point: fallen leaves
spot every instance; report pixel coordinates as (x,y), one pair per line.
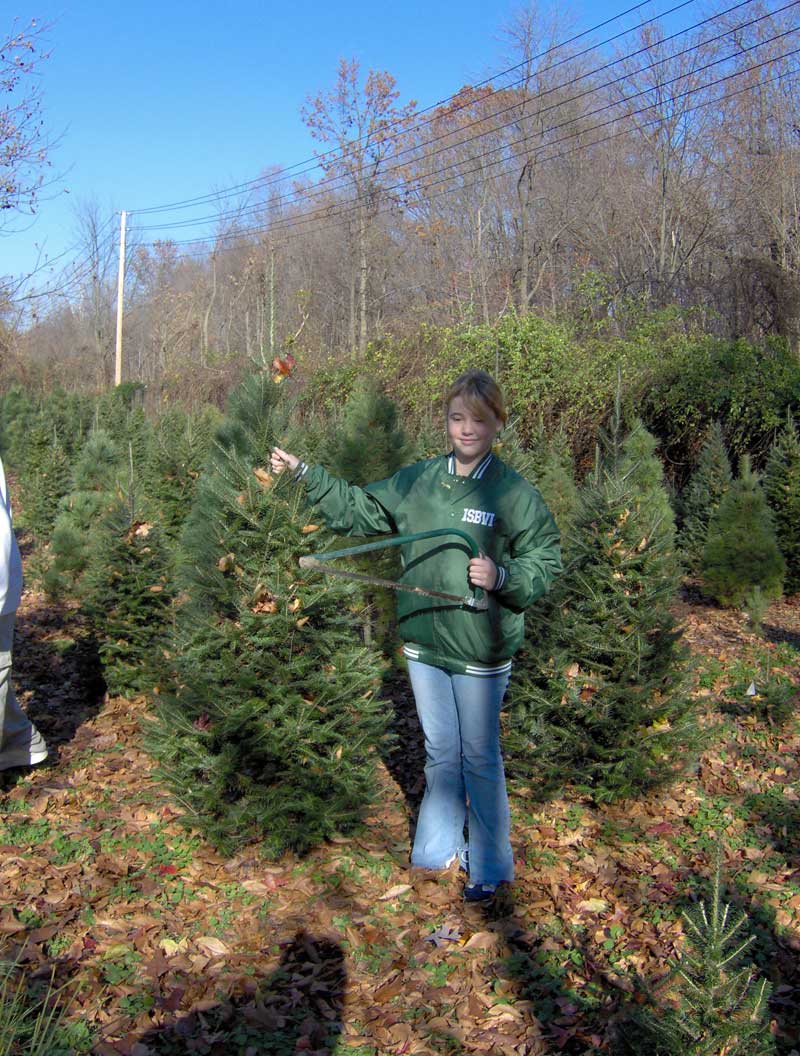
(100,878)
(214,947)
(395,892)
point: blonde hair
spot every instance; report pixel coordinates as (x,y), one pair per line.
(478,390)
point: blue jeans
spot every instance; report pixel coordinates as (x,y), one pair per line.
(464,777)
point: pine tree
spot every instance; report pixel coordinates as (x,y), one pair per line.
(176,449)
(529,455)
(645,472)
(127,592)
(722,1005)
(45,483)
(91,496)
(741,550)
(782,489)
(704,493)
(114,408)
(599,695)
(369,444)
(560,492)
(18,411)
(267,720)
(69,417)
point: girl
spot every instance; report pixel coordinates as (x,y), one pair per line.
(459,658)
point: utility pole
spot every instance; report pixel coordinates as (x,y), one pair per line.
(120,297)
(271,300)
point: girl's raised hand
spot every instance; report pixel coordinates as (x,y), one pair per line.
(280,460)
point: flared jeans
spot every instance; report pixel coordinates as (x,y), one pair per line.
(464,777)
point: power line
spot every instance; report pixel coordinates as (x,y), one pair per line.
(317,193)
(76,272)
(314,163)
(47,291)
(343,209)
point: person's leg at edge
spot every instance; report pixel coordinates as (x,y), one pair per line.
(479,701)
(21,744)
(440,826)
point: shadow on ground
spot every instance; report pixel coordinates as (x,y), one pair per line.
(404,757)
(56,671)
(297,1009)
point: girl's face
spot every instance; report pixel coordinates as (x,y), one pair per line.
(471,432)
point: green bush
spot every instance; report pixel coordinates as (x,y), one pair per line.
(745,387)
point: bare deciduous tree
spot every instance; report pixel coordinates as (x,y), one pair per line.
(24,145)
(365,127)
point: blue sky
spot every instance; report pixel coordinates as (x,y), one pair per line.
(157,102)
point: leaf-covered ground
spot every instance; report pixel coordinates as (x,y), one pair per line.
(170,948)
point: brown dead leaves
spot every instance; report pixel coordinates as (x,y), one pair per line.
(97,877)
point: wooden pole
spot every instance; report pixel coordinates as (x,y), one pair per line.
(120,298)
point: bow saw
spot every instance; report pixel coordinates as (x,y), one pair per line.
(476,600)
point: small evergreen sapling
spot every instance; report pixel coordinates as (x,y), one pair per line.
(741,550)
(91,496)
(266,717)
(368,443)
(703,494)
(176,450)
(17,413)
(718,1004)
(45,478)
(127,592)
(782,488)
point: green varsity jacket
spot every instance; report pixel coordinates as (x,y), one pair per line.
(496,506)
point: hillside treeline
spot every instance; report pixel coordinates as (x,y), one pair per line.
(591,188)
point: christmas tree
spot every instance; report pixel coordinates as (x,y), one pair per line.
(91,496)
(45,481)
(741,551)
(782,489)
(127,593)
(266,716)
(717,1004)
(369,444)
(702,496)
(173,460)
(16,414)
(643,468)
(599,695)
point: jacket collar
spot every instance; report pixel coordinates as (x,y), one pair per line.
(477,472)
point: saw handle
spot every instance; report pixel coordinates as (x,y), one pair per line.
(398,540)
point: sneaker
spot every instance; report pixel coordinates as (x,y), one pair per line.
(480,892)
(22,757)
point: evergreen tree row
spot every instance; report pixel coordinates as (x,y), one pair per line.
(183,551)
